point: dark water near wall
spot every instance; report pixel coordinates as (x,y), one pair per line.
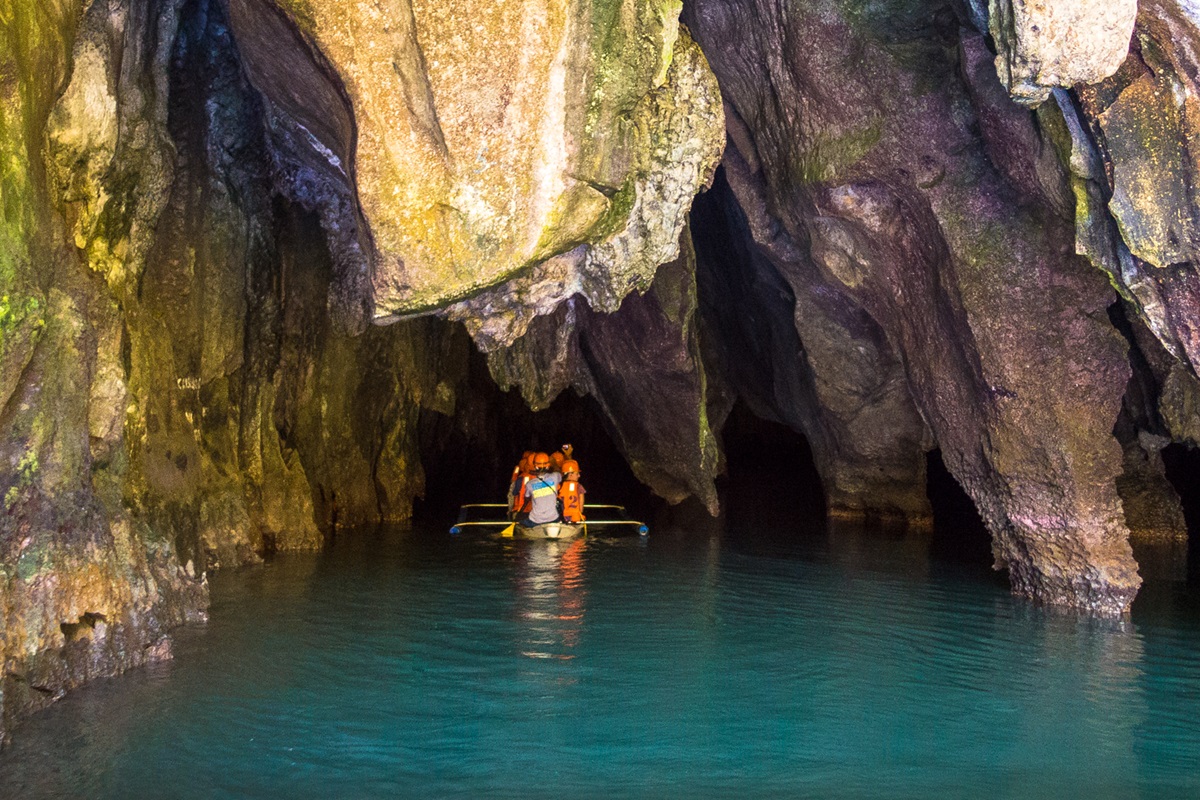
(414,665)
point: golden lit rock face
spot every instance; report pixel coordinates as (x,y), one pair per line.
(494,136)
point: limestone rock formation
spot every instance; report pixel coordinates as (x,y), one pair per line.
(483,143)
(798,353)
(1134,167)
(853,142)
(1044,44)
(176,393)
(644,366)
(207,202)
(87,588)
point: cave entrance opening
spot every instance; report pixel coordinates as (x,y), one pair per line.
(770,487)
(468,456)
(1183,471)
(959,533)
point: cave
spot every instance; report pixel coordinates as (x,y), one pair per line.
(1183,471)
(869,315)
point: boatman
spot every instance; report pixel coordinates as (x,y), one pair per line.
(541,494)
(571,493)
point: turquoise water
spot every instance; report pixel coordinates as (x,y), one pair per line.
(411,664)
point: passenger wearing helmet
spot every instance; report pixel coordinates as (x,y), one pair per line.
(541,494)
(521,466)
(570,493)
(522,474)
(559,457)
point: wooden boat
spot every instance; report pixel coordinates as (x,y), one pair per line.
(468,519)
(549,530)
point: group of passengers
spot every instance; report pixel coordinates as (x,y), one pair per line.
(545,488)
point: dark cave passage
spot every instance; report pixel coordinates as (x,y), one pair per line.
(771,487)
(468,456)
(1183,471)
(959,533)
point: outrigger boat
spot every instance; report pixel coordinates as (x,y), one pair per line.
(549,530)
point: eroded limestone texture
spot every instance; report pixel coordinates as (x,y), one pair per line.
(800,354)
(1045,44)
(857,146)
(87,588)
(644,367)
(557,144)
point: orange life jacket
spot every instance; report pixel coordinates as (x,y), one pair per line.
(518,498)
(571,494)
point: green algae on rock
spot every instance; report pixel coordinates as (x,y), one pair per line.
(675,142)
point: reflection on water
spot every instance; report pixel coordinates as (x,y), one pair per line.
(841,664)
(550,590)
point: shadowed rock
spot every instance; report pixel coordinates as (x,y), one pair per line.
(643,366)
(809,357)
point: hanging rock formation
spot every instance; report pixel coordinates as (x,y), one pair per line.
(554,145)
(644,366)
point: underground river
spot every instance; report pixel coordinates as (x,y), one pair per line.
(403,662)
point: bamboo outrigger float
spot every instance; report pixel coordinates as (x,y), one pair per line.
(548,530)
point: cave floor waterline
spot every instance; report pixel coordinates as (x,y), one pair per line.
(405,662)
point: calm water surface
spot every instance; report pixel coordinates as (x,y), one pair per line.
(411,664)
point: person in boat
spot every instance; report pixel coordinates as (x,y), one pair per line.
(522,475)
(560,457)
(541,494)
(570,493)
(522,466)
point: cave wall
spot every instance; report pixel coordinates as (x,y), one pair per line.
(88,586)
(194,245)
(929,261)
(878,159)
(179,393)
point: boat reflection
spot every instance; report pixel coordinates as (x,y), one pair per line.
(551,596)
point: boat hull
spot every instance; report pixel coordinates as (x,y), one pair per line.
(548,530)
